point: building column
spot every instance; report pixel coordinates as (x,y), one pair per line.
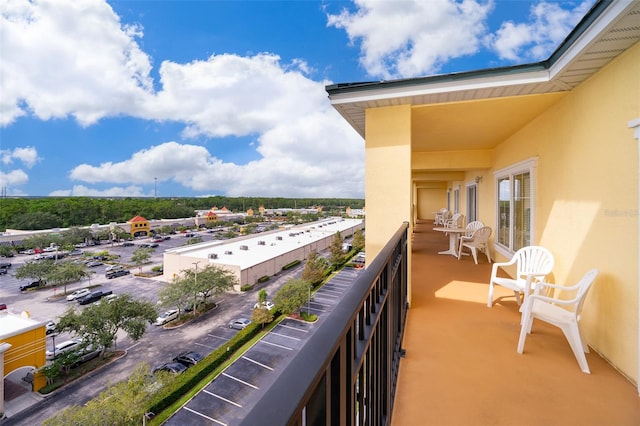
(635,125)
(388,191)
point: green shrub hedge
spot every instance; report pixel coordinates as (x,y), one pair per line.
(291,265)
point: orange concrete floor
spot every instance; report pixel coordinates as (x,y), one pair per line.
(461,365)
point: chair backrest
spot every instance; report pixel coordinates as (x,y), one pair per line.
(456,220)
(583,287)
(481,236)
(534,259)
(473,226)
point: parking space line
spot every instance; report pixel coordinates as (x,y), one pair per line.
(283,335)
(258,363)
(213,348)
(238,380)
(274,344)
(217,337)
(336,292)
(293,328)
(222,398)
(205,416)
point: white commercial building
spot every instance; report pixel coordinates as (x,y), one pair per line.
(253,257)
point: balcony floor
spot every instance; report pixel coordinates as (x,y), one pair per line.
(461,365)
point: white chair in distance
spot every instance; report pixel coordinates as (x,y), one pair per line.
(455,221)
(532,263)
(562,313)
(441,216)
(479,241)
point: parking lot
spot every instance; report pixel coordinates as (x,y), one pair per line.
(227,398)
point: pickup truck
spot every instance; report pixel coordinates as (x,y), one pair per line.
(94,296)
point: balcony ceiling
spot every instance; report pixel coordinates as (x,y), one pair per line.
(478,124)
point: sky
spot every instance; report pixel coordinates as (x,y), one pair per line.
(171,98)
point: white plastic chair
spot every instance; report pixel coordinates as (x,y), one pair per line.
(455,221)
(564,314)
(472,227)
(479,241)
(532,263)
(441,216)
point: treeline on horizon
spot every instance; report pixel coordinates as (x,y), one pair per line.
(64,212)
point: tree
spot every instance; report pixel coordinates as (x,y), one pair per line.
(358,240)
(336,256)
(191,285)
(123,403)
(35,269)
(261,315)
(64,273)
(292,295)
(6,251)
(262,296)
(98,324)
(315,268)
(141,256)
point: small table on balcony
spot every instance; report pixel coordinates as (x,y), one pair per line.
(453,239)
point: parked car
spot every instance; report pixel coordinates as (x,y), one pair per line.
(153,245)
(113,268)
(171,367)
(267,304)
(188,358)
(239,323)
(4,271)
(128,244)
(5,265)
(3,306)
(93,263)
(50,327)
(157,240)
(94,296)
(117,273)
(167,316)
(33,284)
(62,347)
(78,293)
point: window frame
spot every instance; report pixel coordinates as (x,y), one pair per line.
(472,207)
(526,166)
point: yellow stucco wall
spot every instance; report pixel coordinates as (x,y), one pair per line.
(587,199)
(27,349)
(388,174)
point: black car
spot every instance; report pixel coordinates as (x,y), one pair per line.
(117,273)
(128,244)
(33,284)
(5,265)
(94,296)
(171,367)
(3,271)
(188,358)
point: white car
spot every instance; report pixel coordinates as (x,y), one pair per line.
(167,316)
(113,268)
(78,294)
(268,305)
(62,347)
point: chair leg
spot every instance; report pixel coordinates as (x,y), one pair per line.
(572,334)
(475,254)
(486,251)
(490,300)
(525,329)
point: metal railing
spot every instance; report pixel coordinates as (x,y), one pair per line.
(346,374)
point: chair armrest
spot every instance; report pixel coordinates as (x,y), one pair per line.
(551,300)
(541,284)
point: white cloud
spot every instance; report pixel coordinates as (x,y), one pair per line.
(76,58)
(535,40)
(63,58)
(413,38)
(117,191)
(13,178)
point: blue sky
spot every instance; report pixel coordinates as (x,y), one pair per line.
(196,98)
